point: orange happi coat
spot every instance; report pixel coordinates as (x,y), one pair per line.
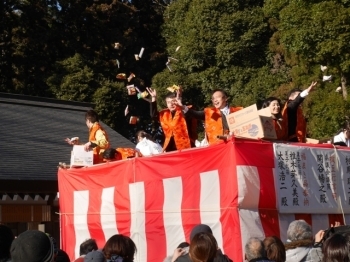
(213,123)
(174,126)
(125,153)
(98,151)
(300,130)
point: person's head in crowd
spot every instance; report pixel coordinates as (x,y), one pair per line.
(274,104)
(294,93)
(299,230)
(62,256)
(254,249)
(6,238)
(170,100)
(336,248)
(142,134)
(87,246)
(119,247)
(90,118)
(110,154)
(203,247)
(219,98)
(183,245)
(34,246)
(200,228)
(275,249)
(181,250)
(94,256)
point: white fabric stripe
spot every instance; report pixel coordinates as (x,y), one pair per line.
(209,204)
(108,218)
(250,225)
(248,187)
(81,229)
(174,232)
(138,220)
(284,221)
(319,222)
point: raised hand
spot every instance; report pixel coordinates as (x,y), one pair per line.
(152,92)
(311,87)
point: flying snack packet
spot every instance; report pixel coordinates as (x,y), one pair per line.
(173,88)
(121,76)
(142,95)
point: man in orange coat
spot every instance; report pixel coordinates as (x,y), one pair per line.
(292,114)
(173,122)
(98,138)
(214,117)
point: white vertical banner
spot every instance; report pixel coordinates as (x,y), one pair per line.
(306,179)
(172,213)
(344,169)
(108,214)
(138,220)
(209,205)
(81,206)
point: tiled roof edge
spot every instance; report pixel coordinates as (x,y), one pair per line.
(34,100)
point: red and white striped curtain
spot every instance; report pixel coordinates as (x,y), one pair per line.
(158,200)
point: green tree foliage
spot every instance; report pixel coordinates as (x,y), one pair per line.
(66,50)
(309,34)
(224,44)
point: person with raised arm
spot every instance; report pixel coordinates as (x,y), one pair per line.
(172,121)
(215,122)
(292,114)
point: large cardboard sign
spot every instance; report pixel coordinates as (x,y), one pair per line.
(249,123)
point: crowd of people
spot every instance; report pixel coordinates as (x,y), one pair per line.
(179,125)
(301,246)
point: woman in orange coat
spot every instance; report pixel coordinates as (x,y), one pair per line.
(275,107)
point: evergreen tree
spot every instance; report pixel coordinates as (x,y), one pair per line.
(310,34)
(224,44)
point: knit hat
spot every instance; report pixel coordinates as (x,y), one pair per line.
(32,246)
(94,256)
(201,228)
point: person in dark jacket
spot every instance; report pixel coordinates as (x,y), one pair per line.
(202,228)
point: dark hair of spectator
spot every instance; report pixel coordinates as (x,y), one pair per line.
(336,248)
(223,92)
(92,116)
(275,249)
(170,95)
(87,246)
(293,91)
(268,101)
(203,248)
(119,245)
(6,238)
(62,256)
(143,134)
(183,244)
(109,154)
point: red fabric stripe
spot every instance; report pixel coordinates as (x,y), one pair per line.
(67,237)
(306,217)
(190,203)
(94,218)
(122,207)
(229,205)
(332,218)
(155,233)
